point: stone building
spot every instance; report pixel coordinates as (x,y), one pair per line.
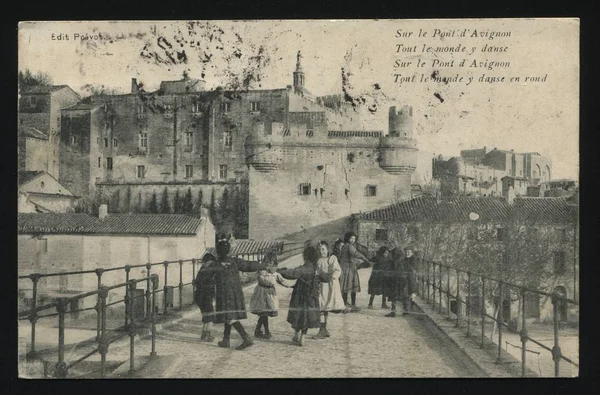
(183,137)
(40,192)
(308,177)
(40,126)
(65,242)
(480,172)
(532,238)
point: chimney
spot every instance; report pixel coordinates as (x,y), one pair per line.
(134,86)
(510,196)
(102,211)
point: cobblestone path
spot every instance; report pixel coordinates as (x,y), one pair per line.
(362,344)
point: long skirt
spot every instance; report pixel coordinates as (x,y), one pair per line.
(304,311)
(264,301)
(349,281)
(331,297)
(205,303)
(376,282)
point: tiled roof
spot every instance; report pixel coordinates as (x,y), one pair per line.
(490,209)
(247,246)
(26,176)
(82,106)
(44,88)
(162,224)
(30,131)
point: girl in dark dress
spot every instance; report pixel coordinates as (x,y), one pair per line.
(351,261)
(376,281)
(230,304)
(304,311)
(396,282)
(204,294)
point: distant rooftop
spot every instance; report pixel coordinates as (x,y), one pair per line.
(76,223)
(44,88)
(490,209)
(31,132)
(248,246)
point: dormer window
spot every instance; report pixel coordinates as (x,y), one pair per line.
(32,101)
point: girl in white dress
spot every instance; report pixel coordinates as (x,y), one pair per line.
(331,295)
(264,302)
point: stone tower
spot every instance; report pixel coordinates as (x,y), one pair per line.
(299,79)
(398,150)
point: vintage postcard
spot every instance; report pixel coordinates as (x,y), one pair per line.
(357,198)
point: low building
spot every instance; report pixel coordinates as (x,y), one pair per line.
(55,242)
(42,193)
(529,241)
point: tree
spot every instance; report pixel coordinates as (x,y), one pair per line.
(153,206)
(28,79)
(90,90)
(198,205)
(188,203)
(128,200)
(164,205)
(214,212)
(177,203)
(224,208)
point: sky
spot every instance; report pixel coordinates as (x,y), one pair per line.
(355,57)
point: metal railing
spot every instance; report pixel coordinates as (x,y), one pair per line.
(434,282)
(103,341)
(151,307)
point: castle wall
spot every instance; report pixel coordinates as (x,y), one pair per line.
(340,175)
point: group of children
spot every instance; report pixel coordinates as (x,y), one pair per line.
(322,285)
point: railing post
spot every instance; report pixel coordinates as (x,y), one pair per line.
(193,269)
(500,322)
(448,292)
(99,275)
(33,316)
(103,344)
(556,353)
(148,294)
(180,284)
(433,284)
(428,281)
(440,288)
(166,264)
(127,295)
(154,288)
(61,366)
(132,329)
(468,304)
(523,334)
(482,308)
(457,297)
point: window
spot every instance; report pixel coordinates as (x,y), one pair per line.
(195,107)
(561,235)
(309,132)
(371,190)
(254,106)
(381,234)
(559,262)
(189,171)
(304,189)
(106,142)
(106,125)
(109,163)
(99,161)
(413,232)
(32,101)
(143,140)
(225,107)
(223,172)
(228,140)
(43,245)
(141,109)
(141,171)
(73,140)
(42,184)
(114,142)
(98,140)
(189,138)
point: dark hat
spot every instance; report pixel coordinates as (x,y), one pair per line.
(409,248)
